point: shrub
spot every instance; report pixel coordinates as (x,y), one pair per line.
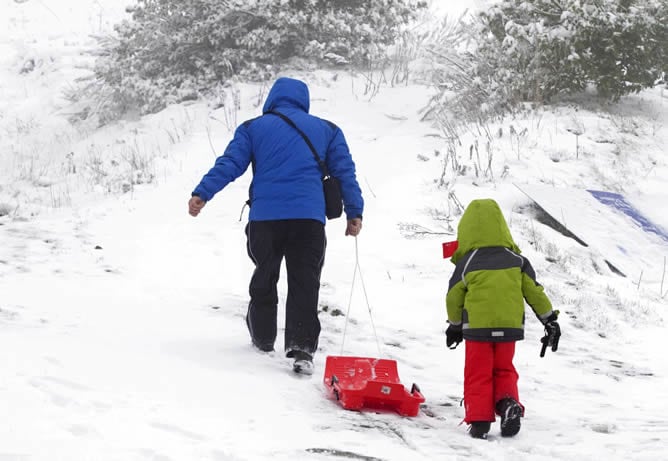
(171,51)
(534,50)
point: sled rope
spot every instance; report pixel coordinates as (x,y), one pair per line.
(366,298)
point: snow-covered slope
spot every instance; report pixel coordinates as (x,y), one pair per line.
(121,317)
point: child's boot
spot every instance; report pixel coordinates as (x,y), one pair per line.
(479,429)
(511,412)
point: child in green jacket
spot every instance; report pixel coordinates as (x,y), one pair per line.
(485,304)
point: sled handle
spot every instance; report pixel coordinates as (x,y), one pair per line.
(415,389)
(334,382)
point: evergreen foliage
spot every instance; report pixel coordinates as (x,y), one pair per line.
(534,50)
(171,51)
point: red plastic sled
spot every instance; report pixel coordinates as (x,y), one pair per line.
(363,382)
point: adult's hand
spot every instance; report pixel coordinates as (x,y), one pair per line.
(354,227)
(195,205)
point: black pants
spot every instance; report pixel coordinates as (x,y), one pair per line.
(302,243)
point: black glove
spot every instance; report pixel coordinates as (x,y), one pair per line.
(552,334)
(454,336)
(552,318)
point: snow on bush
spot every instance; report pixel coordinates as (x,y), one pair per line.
(172,51)
(531,51)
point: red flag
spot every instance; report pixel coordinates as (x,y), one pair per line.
(449,248)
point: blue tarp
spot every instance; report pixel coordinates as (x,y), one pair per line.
(618,202)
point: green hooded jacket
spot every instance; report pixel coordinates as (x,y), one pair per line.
(491,280)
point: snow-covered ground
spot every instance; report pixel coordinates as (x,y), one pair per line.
(121,317)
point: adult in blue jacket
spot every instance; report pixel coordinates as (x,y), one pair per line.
(287,212)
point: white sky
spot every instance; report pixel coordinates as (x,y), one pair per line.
(121,317)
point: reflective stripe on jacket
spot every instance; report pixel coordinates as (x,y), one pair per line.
(491,280)
(487,293)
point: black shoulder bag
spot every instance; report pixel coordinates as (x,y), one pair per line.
(330,185)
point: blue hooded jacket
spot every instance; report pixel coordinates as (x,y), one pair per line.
(287,180)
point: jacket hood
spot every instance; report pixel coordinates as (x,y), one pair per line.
(482,225)
(287,92)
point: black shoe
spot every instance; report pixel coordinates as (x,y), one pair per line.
(479,429)
(510,412)
(259,345)
(303,362)
(263,347)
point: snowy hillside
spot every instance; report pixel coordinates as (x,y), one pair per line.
(121,317)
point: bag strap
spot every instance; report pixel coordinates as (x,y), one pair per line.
(321,164)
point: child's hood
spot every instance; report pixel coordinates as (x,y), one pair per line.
(482,225)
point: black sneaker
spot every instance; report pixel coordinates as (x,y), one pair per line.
(510,412)
(259,345)
(479,429)
(263,347)
(303,362)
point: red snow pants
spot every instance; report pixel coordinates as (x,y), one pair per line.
(489,376)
